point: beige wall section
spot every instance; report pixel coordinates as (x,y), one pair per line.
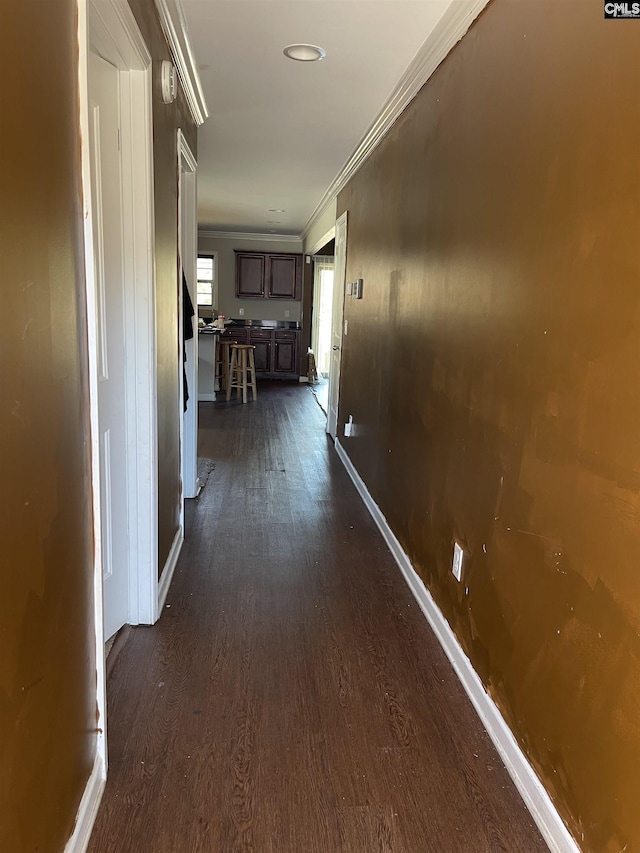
(47,634)
(492,373)
(320,227)
(167,118)
(254,309)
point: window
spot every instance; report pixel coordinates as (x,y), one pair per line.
(207,285)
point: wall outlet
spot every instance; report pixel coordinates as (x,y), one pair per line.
(241,312)
(348,427)
(458,556)
(357,288)
(286,313)
(349,288)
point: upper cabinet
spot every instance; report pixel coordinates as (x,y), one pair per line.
(268,275)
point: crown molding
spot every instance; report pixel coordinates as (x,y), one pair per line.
(174,26)
(246,235)
(451,27)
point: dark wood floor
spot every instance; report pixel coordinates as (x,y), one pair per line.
(292,698)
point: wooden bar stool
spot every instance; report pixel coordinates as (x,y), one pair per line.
(242,371)
(223,359)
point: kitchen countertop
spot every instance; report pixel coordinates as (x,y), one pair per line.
(263,324)
(251,324)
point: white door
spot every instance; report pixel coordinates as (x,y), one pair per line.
(106,187)
(340,270)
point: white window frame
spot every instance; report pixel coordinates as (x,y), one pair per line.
(214,283)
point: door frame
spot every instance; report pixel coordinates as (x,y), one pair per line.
(110,28)
(337,325)
(315,305)
(188,253)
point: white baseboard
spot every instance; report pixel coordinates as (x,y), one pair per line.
(207,398)
(524,776)
(169,568)
(88,809)
(303,379)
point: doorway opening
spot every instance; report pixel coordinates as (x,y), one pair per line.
(321,328)
(187,291)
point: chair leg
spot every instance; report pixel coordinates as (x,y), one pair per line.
(232,371)
(252,374)
(224,357)
(244,375)
(216,363)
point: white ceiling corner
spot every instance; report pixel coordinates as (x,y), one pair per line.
(174,26)
(290,135)
(451,27)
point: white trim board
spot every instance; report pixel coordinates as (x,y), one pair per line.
(88,809)
(174,26)
(451,27)
(531,789)
(246,235)
(169,568)
(330,235)
(92,358)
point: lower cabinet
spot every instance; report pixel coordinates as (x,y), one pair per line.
(275,353)
(261,339)
(285,352)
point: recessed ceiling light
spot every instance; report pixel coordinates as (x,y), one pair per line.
(304,52)
(276,210)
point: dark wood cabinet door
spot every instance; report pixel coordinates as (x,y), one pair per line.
(284,276)
(285,358)
(262,352)
(250,274)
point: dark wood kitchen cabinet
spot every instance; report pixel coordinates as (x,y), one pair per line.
(268,275)
(250,274)
(262,340)
(285,352)
(275,353)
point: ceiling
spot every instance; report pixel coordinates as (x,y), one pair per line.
(280,131)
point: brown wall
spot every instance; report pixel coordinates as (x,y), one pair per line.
(167,118)
(47,644)
(492,372)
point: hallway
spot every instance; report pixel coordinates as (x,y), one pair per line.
(292,698)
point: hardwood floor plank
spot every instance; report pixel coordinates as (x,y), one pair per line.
(292,698)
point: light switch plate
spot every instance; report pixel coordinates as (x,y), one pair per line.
(458,556)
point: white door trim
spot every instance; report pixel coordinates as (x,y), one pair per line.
(187,248)
(110,27)
(337,323)
(95,784)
